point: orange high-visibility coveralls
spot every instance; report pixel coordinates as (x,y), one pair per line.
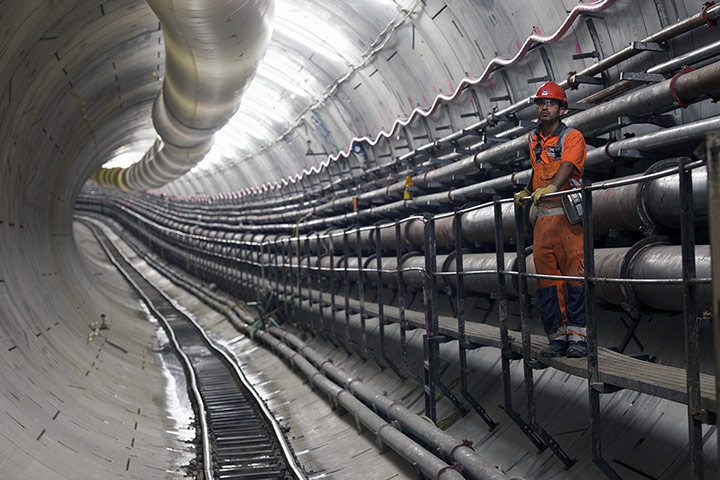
(558,245)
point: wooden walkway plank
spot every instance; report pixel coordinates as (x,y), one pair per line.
(615,368)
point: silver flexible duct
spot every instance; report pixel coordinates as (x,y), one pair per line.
(212,51)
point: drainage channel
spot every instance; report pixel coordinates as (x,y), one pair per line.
(240,439)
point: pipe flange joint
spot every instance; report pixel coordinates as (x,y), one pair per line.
(626,270)
(458,468)
(465,443)
(679,101)
(710,23)
(395,403)
(349,385)
(649,227)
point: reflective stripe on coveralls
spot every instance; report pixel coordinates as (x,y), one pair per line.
(558,245)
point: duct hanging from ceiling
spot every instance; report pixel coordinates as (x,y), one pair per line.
(212,51)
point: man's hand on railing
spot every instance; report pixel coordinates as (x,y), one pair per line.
(517,198)
(543,191)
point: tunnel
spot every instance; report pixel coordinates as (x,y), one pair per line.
(324,191)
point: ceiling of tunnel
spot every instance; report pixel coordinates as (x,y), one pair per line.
(81,77)
(313,45)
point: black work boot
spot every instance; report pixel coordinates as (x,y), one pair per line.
(557,348)
(577,350)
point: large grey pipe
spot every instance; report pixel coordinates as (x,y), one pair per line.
(650,258)
(212,51)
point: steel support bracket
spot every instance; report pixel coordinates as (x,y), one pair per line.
(580,56)
(435,162)
(510,355)
(539,79)
(528,124)
(635,154)
(705,416)
(588,80)
(441,338)
(579,106)
(665,121)
(503,118)
(601,387)
(492,139)
(470,345)
(537,365)
(642,77)
(648,46)
(500,99)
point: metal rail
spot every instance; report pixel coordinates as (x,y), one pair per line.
(234,420)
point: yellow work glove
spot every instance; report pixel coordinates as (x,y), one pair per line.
(543,191)
(517,198)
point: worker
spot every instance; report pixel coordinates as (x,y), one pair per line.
(557,155)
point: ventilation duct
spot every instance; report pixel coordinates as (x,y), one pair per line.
(212,51)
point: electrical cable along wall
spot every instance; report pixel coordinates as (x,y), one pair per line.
(360,263)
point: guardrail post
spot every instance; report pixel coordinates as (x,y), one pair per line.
(285,272)
(333,307)
(300,316)
(381,304)
(361,290)
(312,320)
(401,301)
(692,356)
(528,362)
(506,354)
(321,303)
(712,156)
(349,343)
(430,297)
(463,344)
(594,384)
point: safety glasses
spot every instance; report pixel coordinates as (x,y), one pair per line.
(549,102)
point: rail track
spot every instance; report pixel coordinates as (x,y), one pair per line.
(239,437)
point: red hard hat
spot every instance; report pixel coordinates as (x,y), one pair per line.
(552,90)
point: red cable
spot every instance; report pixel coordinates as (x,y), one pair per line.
(425,176)
(572,85)
(710,23)
(607,151)
(455,467)
(465,443)
(480,168)
(680,102)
